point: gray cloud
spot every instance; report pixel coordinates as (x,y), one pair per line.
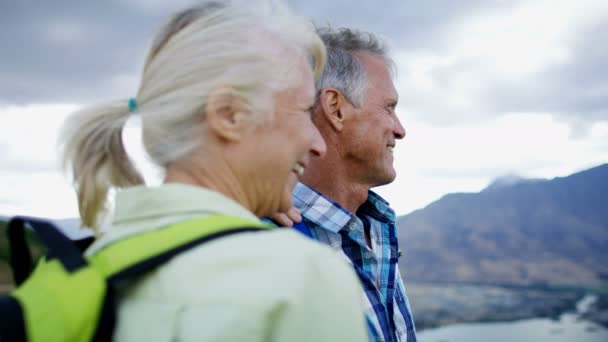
(574,91)
(499,169)
(11,161)
(70,51)
(75,51)
(406,23)
(81,51)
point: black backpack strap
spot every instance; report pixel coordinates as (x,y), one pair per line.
(84,243)
(107,318)
(20,257)
(59,246)
(12,325)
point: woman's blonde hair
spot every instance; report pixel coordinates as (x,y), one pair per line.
(253,48)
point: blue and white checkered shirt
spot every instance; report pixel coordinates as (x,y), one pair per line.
(387,307)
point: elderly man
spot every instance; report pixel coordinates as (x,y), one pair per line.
(355,113)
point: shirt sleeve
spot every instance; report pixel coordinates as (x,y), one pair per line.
(327,306)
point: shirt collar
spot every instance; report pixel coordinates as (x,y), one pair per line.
(330,215)
(378,208)
(319,209)
(143,203)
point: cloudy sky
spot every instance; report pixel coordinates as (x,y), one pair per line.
(488,88)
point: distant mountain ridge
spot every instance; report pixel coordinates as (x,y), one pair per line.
(518,231)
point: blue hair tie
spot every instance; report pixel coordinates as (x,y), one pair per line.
(132,104)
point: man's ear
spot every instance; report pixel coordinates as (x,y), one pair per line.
(225,116)
(332,104)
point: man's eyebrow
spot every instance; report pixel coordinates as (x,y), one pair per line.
(392,104)
(310,108)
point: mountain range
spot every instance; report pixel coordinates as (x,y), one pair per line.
(517,231)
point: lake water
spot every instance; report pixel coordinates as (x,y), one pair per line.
(567,329)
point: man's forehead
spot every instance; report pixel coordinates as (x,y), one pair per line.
(370,59)
(379,77)
(375,65)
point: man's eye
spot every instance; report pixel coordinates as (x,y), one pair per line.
(310,110)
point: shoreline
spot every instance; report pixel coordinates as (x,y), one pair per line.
(439,305)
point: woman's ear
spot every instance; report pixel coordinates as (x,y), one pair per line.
(225,114)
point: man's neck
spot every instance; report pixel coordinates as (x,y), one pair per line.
(334,185)
(349,195)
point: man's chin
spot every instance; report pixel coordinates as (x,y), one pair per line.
(387,178)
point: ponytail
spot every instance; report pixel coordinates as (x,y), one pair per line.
(93,150)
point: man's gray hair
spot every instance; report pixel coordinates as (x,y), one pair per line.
(343,70)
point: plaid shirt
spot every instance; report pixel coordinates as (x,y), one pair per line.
(387,307)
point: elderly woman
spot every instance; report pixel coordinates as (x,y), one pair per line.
(224,100)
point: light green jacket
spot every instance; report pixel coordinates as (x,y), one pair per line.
(261,286)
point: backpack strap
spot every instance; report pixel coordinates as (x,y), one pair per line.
(59,246)
(130,255)
(20,258)
(12,325)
